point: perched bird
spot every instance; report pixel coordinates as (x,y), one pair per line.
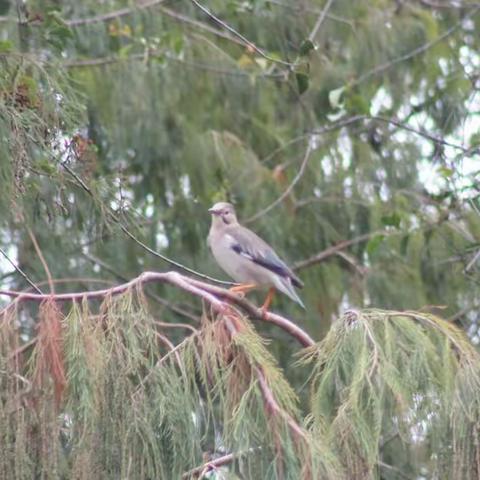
(247,258)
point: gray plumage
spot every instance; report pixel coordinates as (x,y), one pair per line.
(245,256)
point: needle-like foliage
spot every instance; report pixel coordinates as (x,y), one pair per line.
(102,393)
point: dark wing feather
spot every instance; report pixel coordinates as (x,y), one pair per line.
(251,246)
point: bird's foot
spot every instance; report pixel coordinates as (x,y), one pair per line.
(268,301)
(242,289)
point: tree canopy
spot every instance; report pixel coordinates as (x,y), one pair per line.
(346,134)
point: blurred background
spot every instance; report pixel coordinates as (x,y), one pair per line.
(323,122)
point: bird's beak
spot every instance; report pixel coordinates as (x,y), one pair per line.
(213,211)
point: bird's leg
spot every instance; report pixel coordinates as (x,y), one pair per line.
(268,301)
(243,288)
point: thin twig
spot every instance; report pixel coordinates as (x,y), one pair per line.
(245,40)
(217,462)
(112,15)
(202,26)
(170,346)
(320,20)
(422,133)
(472,262)
(100,61)
(184,326)
(421,49)
(127,232)
(42,259)
(20,271)
(288,190)
(301,8)
(334,249)
(397,123)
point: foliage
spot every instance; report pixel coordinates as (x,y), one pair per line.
(346,133)
(134,406)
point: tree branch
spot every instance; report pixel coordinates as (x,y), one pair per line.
(270,402)
(129,234)
(421,49)
(20,271)
(334,249)
(219,298)
(320,19)
(156,298)
(245,40)
(42,260)
(287,191)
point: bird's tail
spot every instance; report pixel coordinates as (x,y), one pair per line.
(286,287)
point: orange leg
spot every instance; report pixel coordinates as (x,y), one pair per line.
(243,288)
(268,301)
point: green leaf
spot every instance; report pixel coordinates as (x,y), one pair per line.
(374,243)
(475,139)
(445,172)
(6,46)
(404,244)
(57,31)
(356,104)
(302,82)
(305,47)
(46,166)
(392,220)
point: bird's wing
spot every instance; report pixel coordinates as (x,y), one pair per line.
(249,245)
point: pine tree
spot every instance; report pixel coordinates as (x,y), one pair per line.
(347,135)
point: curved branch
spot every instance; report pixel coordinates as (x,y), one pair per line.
(219,298)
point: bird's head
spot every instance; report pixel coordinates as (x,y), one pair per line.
(223,213)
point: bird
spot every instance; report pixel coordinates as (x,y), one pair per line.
(248,259)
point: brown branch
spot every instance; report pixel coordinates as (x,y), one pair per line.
(334,249)
(170,346)
(212,464)
(153,296)
(257,313)
(275,408)
(42,259)
(270,402)
(184,326)
(219,298)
